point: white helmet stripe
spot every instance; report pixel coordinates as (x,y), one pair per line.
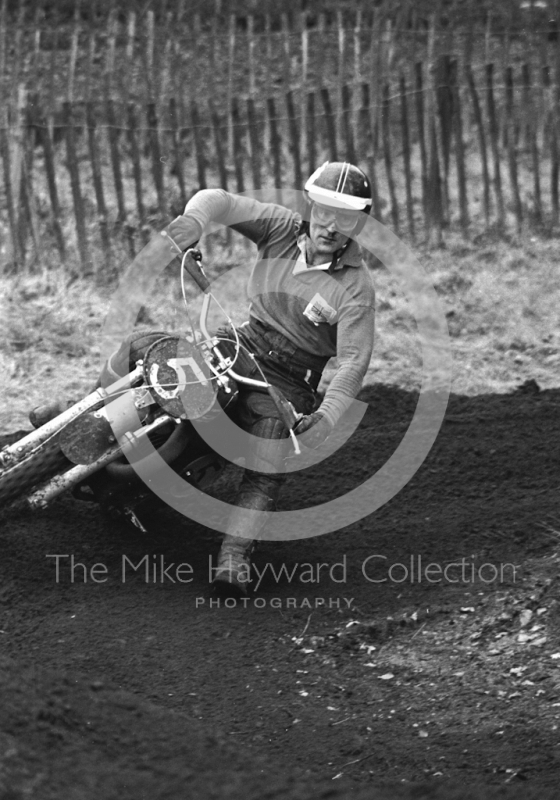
(342,177)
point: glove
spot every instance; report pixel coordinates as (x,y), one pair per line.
(184,232)
(316,428)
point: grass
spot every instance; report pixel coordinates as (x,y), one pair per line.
(501,301)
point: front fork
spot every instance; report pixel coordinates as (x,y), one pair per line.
(61,483)
(10,455)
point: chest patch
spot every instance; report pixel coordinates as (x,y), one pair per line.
(318,310)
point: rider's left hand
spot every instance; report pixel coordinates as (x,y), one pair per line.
(184,232)
(313,429)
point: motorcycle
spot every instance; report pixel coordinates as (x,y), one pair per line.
(90,448)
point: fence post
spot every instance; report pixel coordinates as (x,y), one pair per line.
(406,155)
(340,73)
(113,135)
(494,143)
(74,51)
(329,124)
(511,131)
(50,170)
(419,97)
(3,42)
(15,130)
(304,33)
(364,121)
(8,189)
(294,139)
(97,176)
(286,50)
(358,72)
(218,146)
(532,113)
(72,163)
(254,143)
(435,189)
(385,121)
(347,122)
(136,163)
(155,151)
(311,133)
(28,195)
(251,53)
(229,90)
(442,79)
(177,149)
(555,119)
(481,141)
(460,153)
(237,145)
(275,146)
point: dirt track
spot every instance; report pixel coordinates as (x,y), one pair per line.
(137,689)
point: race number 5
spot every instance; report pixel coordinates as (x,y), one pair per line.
(188,361)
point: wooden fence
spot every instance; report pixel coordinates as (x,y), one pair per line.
(105,135)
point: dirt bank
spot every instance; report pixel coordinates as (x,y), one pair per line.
(362,679)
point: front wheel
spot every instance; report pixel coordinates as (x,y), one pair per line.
(43,463)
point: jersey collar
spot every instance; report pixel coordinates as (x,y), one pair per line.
(350,257)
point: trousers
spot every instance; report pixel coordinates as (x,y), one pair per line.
(256,413)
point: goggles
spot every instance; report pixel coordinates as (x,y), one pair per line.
(345,221)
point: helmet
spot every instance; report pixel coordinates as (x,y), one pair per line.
(340,185)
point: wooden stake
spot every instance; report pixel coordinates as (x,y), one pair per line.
(406,154)
(229,98)
(460,156)
(50,170)
(177,149)
(74,51)
(386,124)
(481,141)
(420,123)
(275,147)
(238,157)
(136,162)
(494,143)
(155,152)
(330,125)
(218,146)
(294,140)
(311,133)
(97,176)
(255,144)
(73,169)
(347,123)
(113,135)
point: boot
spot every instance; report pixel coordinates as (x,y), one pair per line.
(257,492)
(43,414)
(233,573)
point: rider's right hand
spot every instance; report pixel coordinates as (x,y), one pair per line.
(184,231)
(317,425)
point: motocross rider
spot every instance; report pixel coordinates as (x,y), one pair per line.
(311,298)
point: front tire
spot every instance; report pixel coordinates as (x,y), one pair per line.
(40,465)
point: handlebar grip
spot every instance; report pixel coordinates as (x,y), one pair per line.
(193,267)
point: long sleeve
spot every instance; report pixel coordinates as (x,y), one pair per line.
(354,348)
(245,214)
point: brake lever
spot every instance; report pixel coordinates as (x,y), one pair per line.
(290,417)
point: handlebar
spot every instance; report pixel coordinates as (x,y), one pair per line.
(192,263)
